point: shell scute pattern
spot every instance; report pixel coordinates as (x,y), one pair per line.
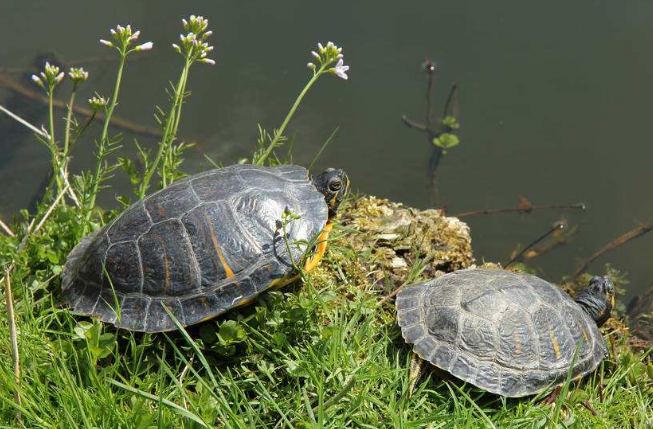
(191,249)
(166,261)
(478,337)
(516,348)
(171,204)
(512,334)
(133,222)
(442,323)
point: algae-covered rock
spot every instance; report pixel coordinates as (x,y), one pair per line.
(384,243)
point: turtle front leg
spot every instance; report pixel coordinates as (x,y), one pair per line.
(417,367)
(322,242)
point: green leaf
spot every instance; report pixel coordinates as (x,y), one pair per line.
(231,333)
(446,141)
(451,122)
(82,328)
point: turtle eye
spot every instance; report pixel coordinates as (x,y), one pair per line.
(335,185)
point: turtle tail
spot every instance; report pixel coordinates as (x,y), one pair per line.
(74,260)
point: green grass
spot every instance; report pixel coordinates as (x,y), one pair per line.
(324,354)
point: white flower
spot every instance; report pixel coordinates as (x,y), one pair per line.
(78,74)
(340,70)
(106,43)
(311,66)
(208,61)
(135,35)
(98,102)
(59,77)
(315,55)
(37,80)
(144,47)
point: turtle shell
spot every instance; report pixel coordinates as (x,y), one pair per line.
(509,333)
(203,245)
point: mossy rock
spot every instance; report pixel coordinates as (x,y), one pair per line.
(382,242)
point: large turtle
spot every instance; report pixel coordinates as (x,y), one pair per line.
(204,245)
(512,334)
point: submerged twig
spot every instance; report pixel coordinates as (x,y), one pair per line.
(72,63)
(64,173)
(560,225)
(619,241)
(9,299)
(559,237)
(433,132)
(115,121)
(521,209)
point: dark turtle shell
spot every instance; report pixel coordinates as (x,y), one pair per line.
(509,333)
(201,246)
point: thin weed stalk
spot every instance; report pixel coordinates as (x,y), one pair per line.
(13,337)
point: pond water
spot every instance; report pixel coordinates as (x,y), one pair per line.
(554,104)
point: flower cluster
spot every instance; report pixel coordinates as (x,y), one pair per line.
(78,74)
(98,102)
(123,37)
(193,45)
(49,78)
(327,55)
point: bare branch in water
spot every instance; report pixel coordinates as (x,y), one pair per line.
(524,206)
(558,238)
(413,124)
(557,226)
(75,63)
(115,121)
(449,108)
(433,131)
(619,241)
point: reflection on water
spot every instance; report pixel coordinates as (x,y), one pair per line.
(554,105)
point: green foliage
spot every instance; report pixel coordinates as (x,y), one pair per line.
(450,123)
(446,141)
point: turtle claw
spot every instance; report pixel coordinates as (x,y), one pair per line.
(417,366)
(553,396)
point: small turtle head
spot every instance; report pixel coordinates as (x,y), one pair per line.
(333,183)
(598,299)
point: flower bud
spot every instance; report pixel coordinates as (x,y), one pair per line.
(144,47)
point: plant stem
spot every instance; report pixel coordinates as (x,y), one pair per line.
(290,114)
(54,149)
(69,117)
(104,140)
(167,133)
(9,300)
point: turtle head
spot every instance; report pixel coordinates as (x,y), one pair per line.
(598,299)
(333,183)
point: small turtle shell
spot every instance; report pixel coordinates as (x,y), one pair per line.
(205,244)
(512,334)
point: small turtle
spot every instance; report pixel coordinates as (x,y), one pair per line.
(203,245)
(512,334)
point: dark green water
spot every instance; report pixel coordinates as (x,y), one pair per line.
(555,103)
